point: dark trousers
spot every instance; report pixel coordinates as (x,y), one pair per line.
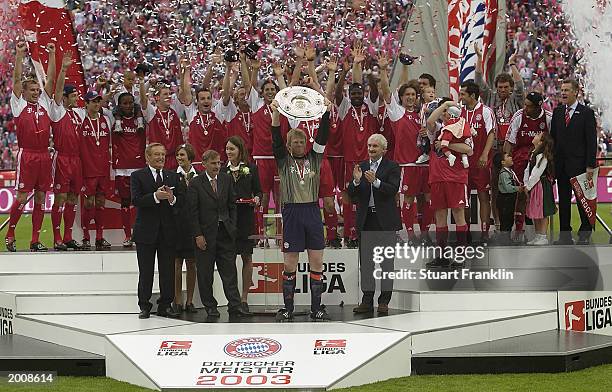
(565,208)
(219,250)
(146,267)
(371,236)
(505,208)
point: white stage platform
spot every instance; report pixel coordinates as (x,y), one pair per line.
(87,301)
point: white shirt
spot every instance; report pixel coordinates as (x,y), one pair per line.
(572,108)
(154,172)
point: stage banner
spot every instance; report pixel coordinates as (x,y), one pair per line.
(271,361)
(586,193)
(340,278)
(7,313)
(586,311)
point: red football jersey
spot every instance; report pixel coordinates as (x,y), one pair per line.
(32,122)
(441,171)
(482,122)
(239,123)
(129,145)
(261,115)
(522,131)
(406,127)
(65,125)
(165,127)
(95,145)
(357,125)
(206,130)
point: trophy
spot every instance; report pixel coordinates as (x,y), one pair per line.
(300,103)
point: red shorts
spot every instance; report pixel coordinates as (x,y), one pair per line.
(326,186)
(122,187)
(337,169)
(267,172)
(415,180)
(67,174)
(33,171)
(448,195)
(479,179)
(349,166)
(97,186)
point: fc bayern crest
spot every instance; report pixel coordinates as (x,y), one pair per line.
(252,348)
(478,117)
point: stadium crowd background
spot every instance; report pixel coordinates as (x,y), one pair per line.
(113,36)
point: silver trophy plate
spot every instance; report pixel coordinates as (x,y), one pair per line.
(301,103)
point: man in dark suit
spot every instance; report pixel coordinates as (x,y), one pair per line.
(573,130)
(156,193)
(374,188)
(212,203)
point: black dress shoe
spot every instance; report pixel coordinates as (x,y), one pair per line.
(245,308)
(564,241)
(144,314)
(167,312)
(239,312)
(363,308)
(213,312)
(72,244)
(86,245)
(189,308)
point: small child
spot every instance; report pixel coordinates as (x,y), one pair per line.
(508,187)
(456,130)
(429,105)
(538,180)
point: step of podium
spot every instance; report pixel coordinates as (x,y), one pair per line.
(73,302)
(437,301)
(72,281)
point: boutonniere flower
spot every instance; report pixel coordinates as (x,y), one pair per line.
(245,170)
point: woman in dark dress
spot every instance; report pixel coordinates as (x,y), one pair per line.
(248,195)
(185,154)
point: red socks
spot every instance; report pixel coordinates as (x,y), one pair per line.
(56,221)
(126,220)
(15,214)
(69,214)
(99,219)
(408,216)
(85,219)
(38,214)
(331,223)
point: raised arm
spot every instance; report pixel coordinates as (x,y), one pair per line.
(216,58)
(383,65)
(279,74)
(20,52)
(330,86)
(255,65)
(485,90)
(246,73)
(185,95)
(49,83)
(340,85)
(436,114)
(358,58)
(61,77)
(404,75)
(226,94)
(144,95)
(311,54)
(299,62)
(519,87)
(278,146)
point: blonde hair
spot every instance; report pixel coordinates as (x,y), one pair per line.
(295,132)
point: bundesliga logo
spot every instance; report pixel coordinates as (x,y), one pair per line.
(330,347)
(252,348)
(174,348)
(588,315)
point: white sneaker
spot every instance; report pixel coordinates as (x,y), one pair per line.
(464,161)
(422,159)
(451,159)
(540,239)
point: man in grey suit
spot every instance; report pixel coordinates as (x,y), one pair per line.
(213,225)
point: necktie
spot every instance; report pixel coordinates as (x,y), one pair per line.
(567,115)
(158,180)
(213,184)
(374,165)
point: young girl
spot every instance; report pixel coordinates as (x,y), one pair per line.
(538,180)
